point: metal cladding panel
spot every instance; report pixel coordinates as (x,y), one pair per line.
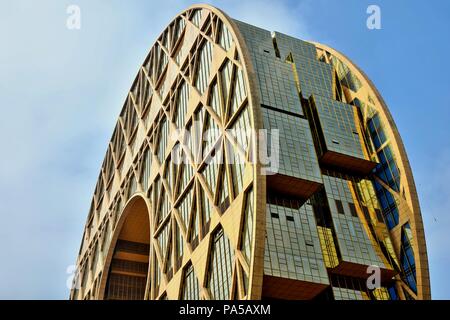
(353,241)
(297,156)
(338,122)
(277,86)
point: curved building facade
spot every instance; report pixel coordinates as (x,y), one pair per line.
(247,164)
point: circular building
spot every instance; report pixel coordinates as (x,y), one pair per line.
(247,164)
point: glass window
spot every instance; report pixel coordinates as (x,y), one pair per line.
(190,285)
(204,65)
(407,258)
(220,268)
(247,229)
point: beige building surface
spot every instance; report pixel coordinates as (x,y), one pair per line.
(248,164)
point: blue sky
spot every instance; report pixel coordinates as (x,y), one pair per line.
(61,92)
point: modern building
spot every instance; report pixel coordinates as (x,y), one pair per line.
(248,164)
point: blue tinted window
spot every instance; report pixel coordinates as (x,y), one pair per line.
(387,169)
(388,205)
(376,142)
(393,293)
(407,258)
(376,131)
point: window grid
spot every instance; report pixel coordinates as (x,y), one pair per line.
(203,70)
(220,267)
(191,288)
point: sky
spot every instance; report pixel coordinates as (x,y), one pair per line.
(61,92)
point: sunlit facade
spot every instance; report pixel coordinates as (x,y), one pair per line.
(185,207)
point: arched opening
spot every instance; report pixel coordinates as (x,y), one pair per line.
(128,270)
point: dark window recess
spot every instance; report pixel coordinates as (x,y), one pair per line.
(289,218)
(379,215)
(170,273)
(206,228)
(353,209)
(275,47)
(309,243)
(178,262)
(132,247)
(338,88)
(194,243)
(339,207)
(224,205)
(366,213)
(274,215)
